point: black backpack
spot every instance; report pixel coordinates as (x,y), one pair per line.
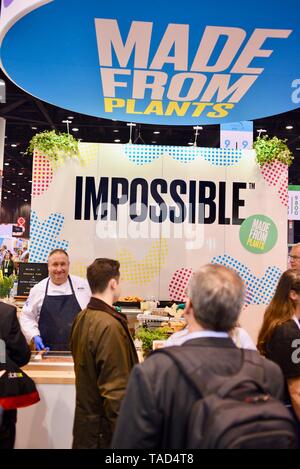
(235,411)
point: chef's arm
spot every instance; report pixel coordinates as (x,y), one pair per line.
(29,316)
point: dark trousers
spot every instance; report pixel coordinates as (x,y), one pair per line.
(8,430)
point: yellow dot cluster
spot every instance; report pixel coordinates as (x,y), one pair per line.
(142,273)
(88,153)
(78,268)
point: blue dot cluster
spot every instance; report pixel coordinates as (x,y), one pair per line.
(145,154)
(259,290)
(221,156)
(44,236)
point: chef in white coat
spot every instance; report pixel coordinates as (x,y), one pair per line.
(53,303)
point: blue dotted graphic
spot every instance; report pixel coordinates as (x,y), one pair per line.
(259,290)
(145,154)
(44,236)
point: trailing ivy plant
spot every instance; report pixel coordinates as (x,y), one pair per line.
(272,149)
(56,146)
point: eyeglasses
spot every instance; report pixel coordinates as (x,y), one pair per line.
(295,258)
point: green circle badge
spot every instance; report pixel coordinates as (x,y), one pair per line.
(258,234)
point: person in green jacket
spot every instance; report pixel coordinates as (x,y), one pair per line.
(104,354)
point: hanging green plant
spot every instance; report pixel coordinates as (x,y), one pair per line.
(56,146)
(273,149)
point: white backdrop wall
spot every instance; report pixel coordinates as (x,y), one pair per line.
(218,189)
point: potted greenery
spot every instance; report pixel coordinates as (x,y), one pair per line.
(54,145)
(146,336)
(273,149)
(6,284)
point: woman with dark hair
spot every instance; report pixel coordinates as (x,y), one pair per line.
(279,336)
(7,265)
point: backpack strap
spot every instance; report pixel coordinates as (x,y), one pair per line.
(251,371)
(199,377)
(207,382)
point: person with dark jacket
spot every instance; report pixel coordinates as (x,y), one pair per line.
(279,336)
(7,265)
(19,352)
(104,355)
(159,400)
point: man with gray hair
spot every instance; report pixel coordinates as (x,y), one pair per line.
(294,257)
(159,400)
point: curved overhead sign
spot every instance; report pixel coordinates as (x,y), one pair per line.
(177,64)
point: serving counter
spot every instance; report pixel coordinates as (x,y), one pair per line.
(48,424)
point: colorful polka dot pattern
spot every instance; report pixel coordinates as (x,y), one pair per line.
(44,236)
(145,154)
(276,174)
(42,174)
(142,273)
(88,153)
(78,268)
(283,191)
(178,284)
(259,290)
(221,156)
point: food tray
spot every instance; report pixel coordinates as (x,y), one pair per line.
(155,321)
(128,304)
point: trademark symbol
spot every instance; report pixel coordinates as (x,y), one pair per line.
(251,185)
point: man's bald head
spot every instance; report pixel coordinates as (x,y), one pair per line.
(58,266)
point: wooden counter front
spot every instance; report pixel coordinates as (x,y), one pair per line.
(51,370)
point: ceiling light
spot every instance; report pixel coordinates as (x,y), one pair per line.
(8,192)
(23,190)
(6,164)
(198,127)
(34,128)
(70,117)
(190,143)
(156,132)
(75,129)
(30,181)
(14,145)
(5,197)
(20,174)
(297,148)
(25,200)
(261,130)
(117,140)
(153,141)
(115,130)
(13,183)
(289,127)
